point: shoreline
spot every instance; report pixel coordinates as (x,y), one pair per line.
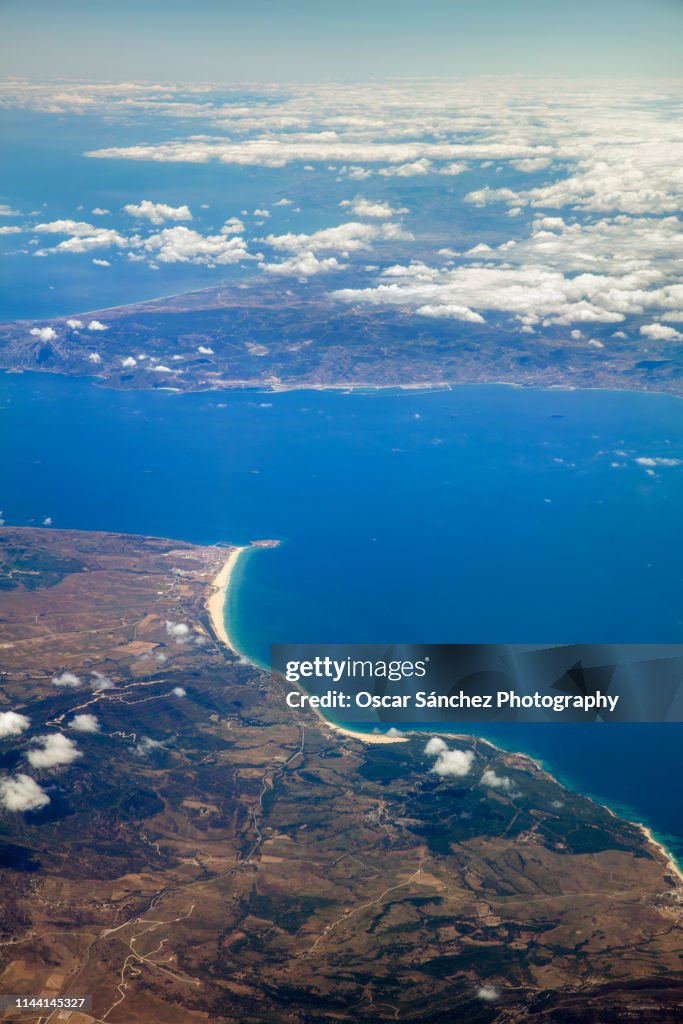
(405,387)
(216,604)
(217,599)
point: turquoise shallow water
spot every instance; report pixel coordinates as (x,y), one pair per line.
(482,514)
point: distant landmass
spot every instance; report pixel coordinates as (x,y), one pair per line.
(261,336)
(186,848)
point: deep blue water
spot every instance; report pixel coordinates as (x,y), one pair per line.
(481,514)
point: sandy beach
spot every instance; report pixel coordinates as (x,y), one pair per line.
(218,597)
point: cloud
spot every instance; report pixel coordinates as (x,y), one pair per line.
(411,170)
(305,265)
(84,723)
(353,236)
(435,745)
(52,750)
(488,993)
(262,213)
(146,745)
(97,325)
(47,521)
(83,236)
(493,781)
(10,229)
(100,681)
(22,793)
(457,763)
(74,324)
(101,263)
(7,211)
(68,680)
(644,460)
(179,631)
(205,350)
(366,208)
(157,213)
(179,691)
(128,362)
(95,357)
(44,333)
(184,245)
(660,332)
(12,724)
(99,211)
(283,202)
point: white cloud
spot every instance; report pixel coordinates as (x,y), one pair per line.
(488,993)
(660,332)
(100,681)
(457,763)
(205,350)
(99,211)
(84,723)
(304,265)
(184,245)
(435,745)
(52,750)
(128,362)
(353,236)
(83,236)
(74,324)
(10,229)
(157,213)
(97,325)
(411,170)
(44,333)
(367,208)
(101,263)
(283,202)
(12,724)
(95,357)
(490,779)
(262,213)
(179,691)
(7,211)
(179,631)
(652,462)
(68,680)
(47,521)
(22,793)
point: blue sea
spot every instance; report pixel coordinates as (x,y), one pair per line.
(480,514)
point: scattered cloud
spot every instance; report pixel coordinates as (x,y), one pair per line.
(85,723)
(488,993)
(67,680)
(179,691)
(457,763)
(75,325)
(184,245)
(660,332)
(435,745)
(367,208)
(100,681)
(205,350)
(22,793)
(97,325)
(43,333)
(178,631)
(52,751)
(13,724)
(494,781)
(157,213)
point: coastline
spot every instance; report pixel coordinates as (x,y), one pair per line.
(217,600)
(216,605)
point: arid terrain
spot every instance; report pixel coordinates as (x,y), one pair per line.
(208,855)
(263,337)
